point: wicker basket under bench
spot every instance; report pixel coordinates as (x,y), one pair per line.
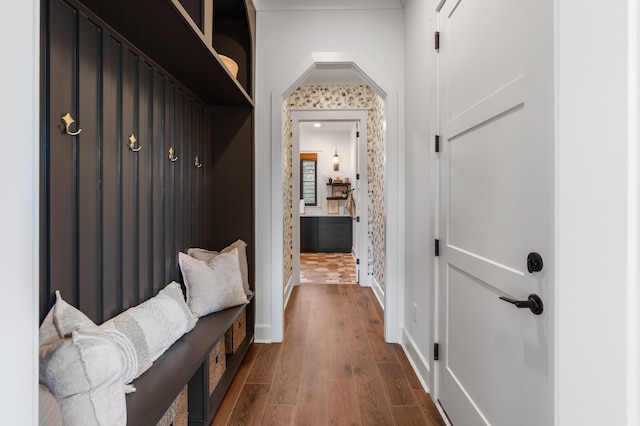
(187,362)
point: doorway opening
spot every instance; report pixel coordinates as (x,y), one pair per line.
(340,220)
(297,91)
(330,196)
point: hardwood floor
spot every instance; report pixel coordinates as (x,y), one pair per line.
(333,368)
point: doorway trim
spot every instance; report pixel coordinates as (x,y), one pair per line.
(393,181)
(347,115)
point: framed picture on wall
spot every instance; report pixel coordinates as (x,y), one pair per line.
(333,206)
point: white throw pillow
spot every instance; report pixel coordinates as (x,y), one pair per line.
(81,366)
(212,286)
(144,332)
(202,254)
(241,247)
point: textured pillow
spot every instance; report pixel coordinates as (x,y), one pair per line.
(144,332)
(202,254)
(61,320)
(48,410)
(212,286)
(241,247)
(82,368)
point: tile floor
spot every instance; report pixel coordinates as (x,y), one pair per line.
(327,268)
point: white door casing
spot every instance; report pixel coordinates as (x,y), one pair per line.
(496,128)
(358,116)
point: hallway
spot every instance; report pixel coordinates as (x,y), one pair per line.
(333,360)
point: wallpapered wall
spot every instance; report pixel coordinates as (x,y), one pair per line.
(341,97)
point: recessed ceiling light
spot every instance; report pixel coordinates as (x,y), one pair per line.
(317,125)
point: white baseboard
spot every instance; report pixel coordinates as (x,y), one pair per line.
(416,359)
(420,367)
(287,291)
(262,333)
(377,290)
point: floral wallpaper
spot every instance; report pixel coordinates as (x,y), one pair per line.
(375,181)
(337,97)
(287,179)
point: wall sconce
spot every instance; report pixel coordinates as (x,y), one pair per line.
(336,161)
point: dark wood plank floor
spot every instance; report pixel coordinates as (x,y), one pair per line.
(333,368)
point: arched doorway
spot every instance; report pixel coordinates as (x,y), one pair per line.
(391,294)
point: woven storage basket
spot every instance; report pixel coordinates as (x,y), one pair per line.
(182,413)
(217,365)
(236,334)
(177,414)
(231,65)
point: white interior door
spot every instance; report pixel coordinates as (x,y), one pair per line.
(496,124)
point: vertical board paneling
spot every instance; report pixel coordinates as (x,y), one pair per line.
(115,219)
(188,177)
(169,181)
(196,116)
(89,165)
(233,153)
(129,254)
(61,184)
(145,216)
(159,161)
(111,200)
(205,154)
(179,182)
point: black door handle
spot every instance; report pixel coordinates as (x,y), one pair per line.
(533,302)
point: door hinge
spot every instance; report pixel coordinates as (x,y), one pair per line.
(437,248)
(437,143)
(436,351)
(358,219)
(357,176)
(357,134)
(357,261)
(436,40)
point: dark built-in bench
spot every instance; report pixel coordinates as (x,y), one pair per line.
(187,362)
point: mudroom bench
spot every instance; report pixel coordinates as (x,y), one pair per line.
(186,362)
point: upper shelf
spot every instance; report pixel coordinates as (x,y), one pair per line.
(165,32)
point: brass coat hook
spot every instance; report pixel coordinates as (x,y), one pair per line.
(68,120)
(132,143)
(196,162)
(172,158)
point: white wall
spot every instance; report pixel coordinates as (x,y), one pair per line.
(19,171)
(324,142)
(420,184)
(284,40)
(597,216)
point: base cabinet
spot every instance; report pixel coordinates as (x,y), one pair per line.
(326,234)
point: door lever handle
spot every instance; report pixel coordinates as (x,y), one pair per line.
(534,303)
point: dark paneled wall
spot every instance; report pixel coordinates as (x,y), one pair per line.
(114,219)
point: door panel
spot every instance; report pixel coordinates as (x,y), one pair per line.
(494,195)
(496,103)
(498,36)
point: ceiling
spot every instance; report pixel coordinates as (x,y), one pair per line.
(326,4)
